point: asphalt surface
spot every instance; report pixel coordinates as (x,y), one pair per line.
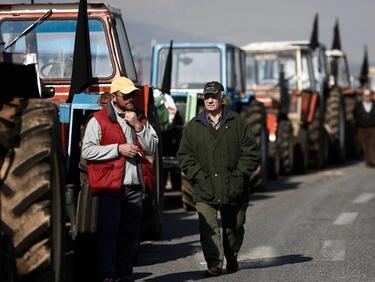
(314,227)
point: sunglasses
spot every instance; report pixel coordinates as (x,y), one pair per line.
(127,96)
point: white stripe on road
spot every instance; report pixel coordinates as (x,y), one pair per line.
(346,218)
(364,198)
(333,250)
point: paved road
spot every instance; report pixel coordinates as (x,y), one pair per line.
(316,227)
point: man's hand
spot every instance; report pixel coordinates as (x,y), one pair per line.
(128,150)
(132,120)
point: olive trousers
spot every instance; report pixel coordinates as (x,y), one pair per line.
(214,244)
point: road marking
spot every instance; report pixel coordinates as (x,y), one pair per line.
(333,250)
(364,198)
(345,218)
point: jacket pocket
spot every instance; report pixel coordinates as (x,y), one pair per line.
(101,177)
(236,187)
(203,188)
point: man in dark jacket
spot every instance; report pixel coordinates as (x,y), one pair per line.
(116,138)
(364,114)
(217,153)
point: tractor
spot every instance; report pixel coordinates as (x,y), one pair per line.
(45,200)
(338,98)
(193,65)
(339,102)
(281,76)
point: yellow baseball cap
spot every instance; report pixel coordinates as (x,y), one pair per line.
(123,84)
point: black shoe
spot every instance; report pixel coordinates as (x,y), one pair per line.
(232,265)
(212,271)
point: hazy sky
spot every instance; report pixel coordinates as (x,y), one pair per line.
(243,21)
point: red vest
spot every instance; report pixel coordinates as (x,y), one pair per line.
(109,175)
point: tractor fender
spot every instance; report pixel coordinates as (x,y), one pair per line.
(309,105)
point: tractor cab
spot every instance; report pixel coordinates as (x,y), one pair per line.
(53,42)
(337,67)
(275,65)
(194,64)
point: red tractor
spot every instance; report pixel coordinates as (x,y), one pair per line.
(281,75)
(43,178)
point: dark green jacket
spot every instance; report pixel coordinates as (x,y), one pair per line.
(217,163)
(362,118)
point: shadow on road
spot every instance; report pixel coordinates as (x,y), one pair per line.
(244,264)
(258,197)
(141,275)
(154,254)
(275,261)
(179,225)
(173,199)
(177,277)
(175,226)
(274,186)
(282,185)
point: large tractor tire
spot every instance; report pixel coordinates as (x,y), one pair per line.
(353,148)
(335,124)
(273,170)
(284,139)
(187,194)
(301,151)
(318,142)
(255,115)
(153,202)
(32,197)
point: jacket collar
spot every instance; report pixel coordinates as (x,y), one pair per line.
(226,115)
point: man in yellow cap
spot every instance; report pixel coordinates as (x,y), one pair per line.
(116,139)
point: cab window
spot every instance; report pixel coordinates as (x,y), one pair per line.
(234,69)
(308,82)
(53,42)
(191,68)
(127,57)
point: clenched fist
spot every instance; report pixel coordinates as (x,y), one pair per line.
(132,120)
(128,150)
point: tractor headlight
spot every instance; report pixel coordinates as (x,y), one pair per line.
(272,137)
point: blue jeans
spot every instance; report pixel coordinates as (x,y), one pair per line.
(117,237)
